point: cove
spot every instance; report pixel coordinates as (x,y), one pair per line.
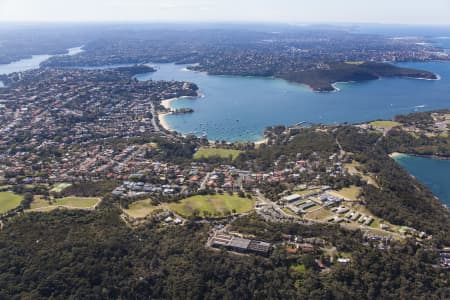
(240,108)
(433,173)
(33,62)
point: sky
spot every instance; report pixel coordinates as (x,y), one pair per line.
(285,11)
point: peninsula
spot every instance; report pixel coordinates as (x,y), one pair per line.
(322,80)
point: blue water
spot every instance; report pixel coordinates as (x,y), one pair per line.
(240,108)
(433,173)
(23,64)
(32,63)
(443,42)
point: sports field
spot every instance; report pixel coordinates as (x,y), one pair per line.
(8,201)
(385,124)
(41,204)
(59,187)
(350,193)
(141,209)
(212,205)
(318,214)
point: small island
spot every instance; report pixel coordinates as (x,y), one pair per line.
(180,111)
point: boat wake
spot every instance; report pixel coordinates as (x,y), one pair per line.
(418,107)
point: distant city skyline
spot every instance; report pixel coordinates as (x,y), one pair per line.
(433,12)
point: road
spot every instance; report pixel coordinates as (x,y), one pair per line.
(204,181)
(274,206)
(154,116)
(341,150)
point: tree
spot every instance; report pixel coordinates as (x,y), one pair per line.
(308,261)
(27,199)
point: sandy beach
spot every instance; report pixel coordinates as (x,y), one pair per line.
(438,77)
(166,103)
(396,154)
(163,122)
(263,141)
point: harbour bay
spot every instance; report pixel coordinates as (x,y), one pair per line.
(32,62)
(236,108)
(434,173)
(240,108)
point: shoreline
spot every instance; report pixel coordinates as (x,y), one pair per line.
(163,122)
(261,142)
(395,155)
(165,125)
(438,77)
(257,143)
(337,89)
(167,102)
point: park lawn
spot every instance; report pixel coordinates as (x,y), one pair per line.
(444,134)
(141,209)
(4,188)
(9,201)
(213,205)
(213,152)
(375,224)
(298,268)
(319,214)
(385,124)
(41,204)
(58,188)
(76,202)
(350,193)
(288,211)
(352,169)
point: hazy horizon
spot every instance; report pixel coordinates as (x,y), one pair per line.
(402,12)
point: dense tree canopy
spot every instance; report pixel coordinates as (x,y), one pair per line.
(93,255)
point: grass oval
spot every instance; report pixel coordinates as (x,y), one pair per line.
(212,205)
(9,201)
